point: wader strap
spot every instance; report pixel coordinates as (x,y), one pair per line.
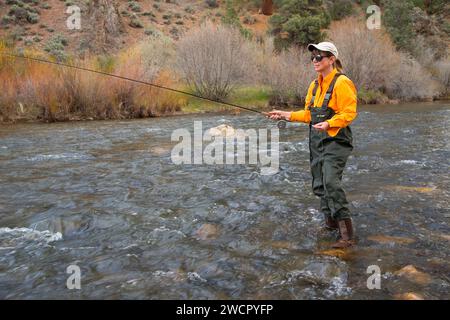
(316,85)
(327,98)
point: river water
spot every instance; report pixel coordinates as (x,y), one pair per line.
(106,197)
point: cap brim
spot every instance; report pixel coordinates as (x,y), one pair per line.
(312,47)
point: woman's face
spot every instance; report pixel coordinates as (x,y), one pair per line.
(325,63)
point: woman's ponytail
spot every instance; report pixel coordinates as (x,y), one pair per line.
(338,65)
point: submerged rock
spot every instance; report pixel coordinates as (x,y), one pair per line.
(412,189)
(328,276)
(160,151)
(339,253)
(207,231)
(411,273)
(222,130)
(390,239)
(408,296)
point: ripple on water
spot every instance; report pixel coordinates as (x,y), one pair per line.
(61,156)
(133,220)
(17,236)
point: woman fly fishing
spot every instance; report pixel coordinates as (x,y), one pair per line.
(329,109)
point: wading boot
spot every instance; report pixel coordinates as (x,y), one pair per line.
(331,224)
(346,234)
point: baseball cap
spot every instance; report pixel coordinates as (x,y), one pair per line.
(324,46)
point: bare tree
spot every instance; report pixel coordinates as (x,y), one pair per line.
(288,74)
(369,58)
(213,59)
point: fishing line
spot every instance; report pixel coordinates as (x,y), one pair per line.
(133,80)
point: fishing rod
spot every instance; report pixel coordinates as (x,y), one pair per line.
(133,80)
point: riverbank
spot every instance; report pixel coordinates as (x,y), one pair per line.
(255,99)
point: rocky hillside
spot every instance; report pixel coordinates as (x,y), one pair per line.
(110,25)
(107,26)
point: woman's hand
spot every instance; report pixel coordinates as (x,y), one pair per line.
(322,126)
(279,115)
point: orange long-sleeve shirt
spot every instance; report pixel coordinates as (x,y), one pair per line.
(343,101)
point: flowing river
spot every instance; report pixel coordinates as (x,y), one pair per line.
(106,197)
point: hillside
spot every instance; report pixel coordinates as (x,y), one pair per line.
(107,26)
(33,23)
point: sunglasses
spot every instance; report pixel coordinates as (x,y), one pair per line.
(318,57)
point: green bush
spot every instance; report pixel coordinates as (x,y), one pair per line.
(174,32)
(7,19)
(298,22)
(435,6)
(106,63)
(340,9)
(134,6)
(30,9)
(397,18)
(304,30)
(369,96)
(446,28)
(231,18)
(15,8)
(135,22)
(56,46)
(152,31)
(33,17)
(189,9)
(418,3)
(148,14)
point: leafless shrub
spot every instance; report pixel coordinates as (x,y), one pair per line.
(442,70)
(158,53)
(213,60)
(288,74)
(410,81)
(367,56)
(371,61)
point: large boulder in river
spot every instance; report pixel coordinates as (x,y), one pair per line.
(223,130)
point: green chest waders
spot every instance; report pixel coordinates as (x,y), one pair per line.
(328,156)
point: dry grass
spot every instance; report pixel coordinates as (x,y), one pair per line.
(33,90)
